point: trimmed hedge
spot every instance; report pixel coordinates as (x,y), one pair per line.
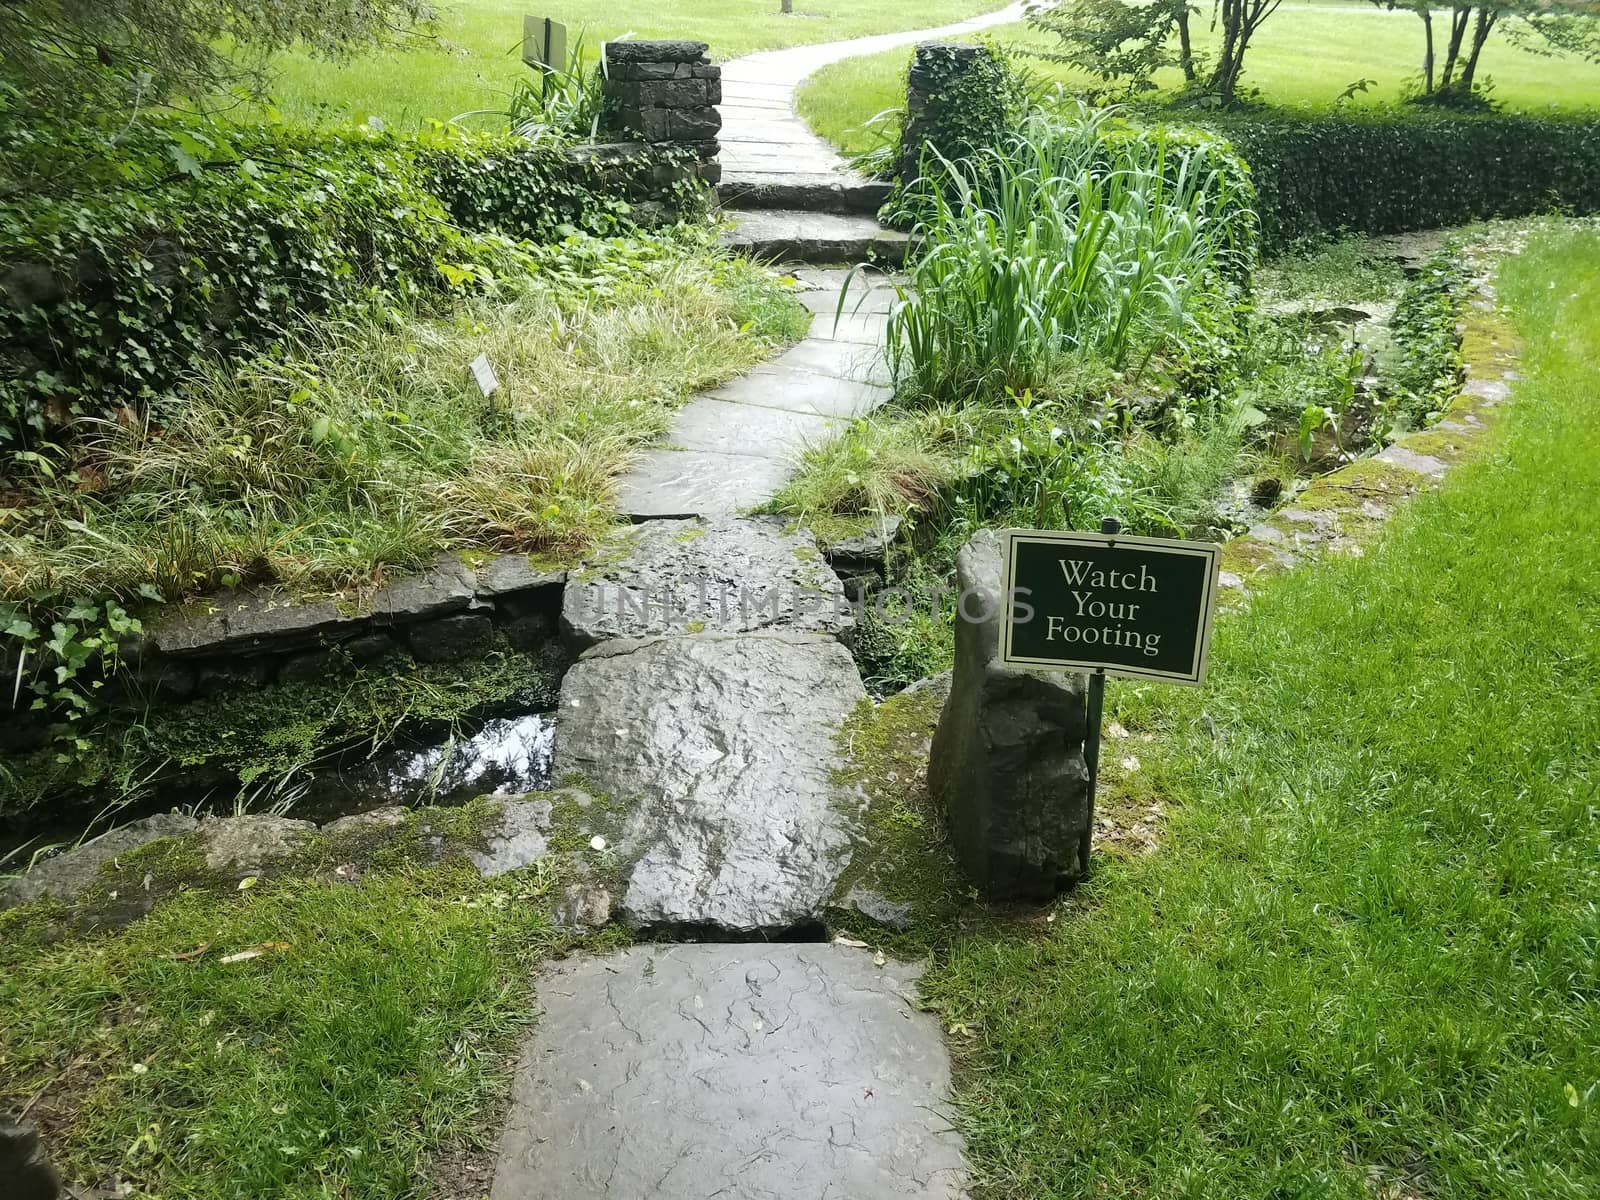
(1405,169)
(117,284)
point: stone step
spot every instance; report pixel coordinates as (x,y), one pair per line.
(786,1072)
(788,235)
(720,755)
(809,192)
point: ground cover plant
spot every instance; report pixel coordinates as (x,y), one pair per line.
(364,446)
(1362,962)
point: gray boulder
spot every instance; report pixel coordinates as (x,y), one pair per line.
(27,1172)
(719,751)
(249,844)
(723,575)
(69,875)
(1007,762)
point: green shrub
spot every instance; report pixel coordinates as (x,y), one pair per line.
(1405,169)
(126,264)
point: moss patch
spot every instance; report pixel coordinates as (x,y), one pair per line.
(901,854)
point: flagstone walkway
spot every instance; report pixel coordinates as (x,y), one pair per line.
(762,134)
(765,1070)
(732,448)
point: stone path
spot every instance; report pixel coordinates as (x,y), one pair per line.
(762,1073)
(761,132)
(735,446)
(710,723)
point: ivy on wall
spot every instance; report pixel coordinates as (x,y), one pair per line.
(119,275)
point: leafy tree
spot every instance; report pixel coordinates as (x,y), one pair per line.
(1542,26)
(1131,41)
(1120,42)
(122,54)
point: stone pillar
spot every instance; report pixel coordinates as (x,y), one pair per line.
(1007,763)
(24,1171)
(665,93)
(954,100)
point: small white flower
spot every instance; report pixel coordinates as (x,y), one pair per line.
(597,842)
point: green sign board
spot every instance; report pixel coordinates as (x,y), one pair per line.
(1133,606)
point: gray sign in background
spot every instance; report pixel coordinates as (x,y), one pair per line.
(1139,607)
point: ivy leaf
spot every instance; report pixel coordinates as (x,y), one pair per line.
(186,163)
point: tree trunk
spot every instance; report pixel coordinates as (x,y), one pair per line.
(788,6)
(1185,47)
(1226,74)
(1427,58)
(1459,18)
(1480,35)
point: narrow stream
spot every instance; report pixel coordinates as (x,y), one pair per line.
(498,755)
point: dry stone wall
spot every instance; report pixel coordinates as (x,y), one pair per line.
(666,92)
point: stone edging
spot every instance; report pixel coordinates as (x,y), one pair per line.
(254,636)
(1339,512)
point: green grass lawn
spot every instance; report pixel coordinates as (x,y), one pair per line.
(324,1034)
(1306,54)
(1364,962)
(474,58)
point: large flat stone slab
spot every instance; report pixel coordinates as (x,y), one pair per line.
(801,391)
(779,1072)
(721,575)
(719,751)
(690,483)
(722,423)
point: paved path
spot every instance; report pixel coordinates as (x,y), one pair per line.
(761,132)
(776,1072)
(734,447)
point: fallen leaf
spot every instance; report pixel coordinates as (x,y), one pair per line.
(254,952)
(841,940)
(249,881)
(878,959)
(1116,730)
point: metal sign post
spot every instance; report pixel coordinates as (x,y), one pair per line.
(1107,604)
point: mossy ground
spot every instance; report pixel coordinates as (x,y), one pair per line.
(901,851)
(364,1034)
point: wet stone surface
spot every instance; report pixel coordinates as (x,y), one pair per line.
(719,751)
(727,575)
(762,1072)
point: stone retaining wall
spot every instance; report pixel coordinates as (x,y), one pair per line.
(251,637)
(666,92)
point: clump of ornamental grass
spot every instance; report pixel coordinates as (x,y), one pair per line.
(1062,243)
(364,447)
